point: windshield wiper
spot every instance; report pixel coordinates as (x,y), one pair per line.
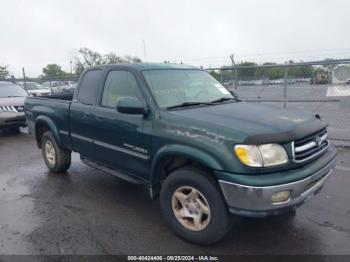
(224,99)
(14,96)
(186,104)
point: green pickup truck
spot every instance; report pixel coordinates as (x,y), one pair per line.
(174,128)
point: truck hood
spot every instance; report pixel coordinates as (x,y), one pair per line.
(260,123)
(12,101)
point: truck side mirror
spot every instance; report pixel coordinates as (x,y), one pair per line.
(131,105)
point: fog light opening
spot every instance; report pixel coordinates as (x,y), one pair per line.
(280,197)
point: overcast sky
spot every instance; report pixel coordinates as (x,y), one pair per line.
(34,33)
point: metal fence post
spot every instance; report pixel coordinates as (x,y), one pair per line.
(285,87)
(236,78)
(51,85)
(232,79)
(24,78)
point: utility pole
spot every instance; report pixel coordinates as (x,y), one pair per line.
(144,50)
(71,69)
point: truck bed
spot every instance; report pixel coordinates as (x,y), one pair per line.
(67,97)
(55,108)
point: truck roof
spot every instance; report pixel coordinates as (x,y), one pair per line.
(148,66)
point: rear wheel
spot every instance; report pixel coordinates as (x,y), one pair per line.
(193,206)
(56,158)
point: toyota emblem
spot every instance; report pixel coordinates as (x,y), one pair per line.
(318,141)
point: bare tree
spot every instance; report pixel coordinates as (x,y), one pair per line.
(87,58)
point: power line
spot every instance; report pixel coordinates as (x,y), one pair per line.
(263,54)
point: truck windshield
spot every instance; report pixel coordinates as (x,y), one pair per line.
(178,86)
(11,90)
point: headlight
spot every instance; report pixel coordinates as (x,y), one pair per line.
(261,155)
(273,154)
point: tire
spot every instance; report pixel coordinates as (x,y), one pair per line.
(213,226)
(57,159)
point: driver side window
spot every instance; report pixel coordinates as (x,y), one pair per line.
(119,84)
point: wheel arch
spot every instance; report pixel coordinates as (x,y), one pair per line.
(44,124)
(176,156)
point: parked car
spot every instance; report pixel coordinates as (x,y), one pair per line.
(69,89)
(11,105)
(276,81)
(36,89)
(347,82)
(250,82)
(177,130)
(59,87)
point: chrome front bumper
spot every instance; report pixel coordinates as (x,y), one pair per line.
(256,201)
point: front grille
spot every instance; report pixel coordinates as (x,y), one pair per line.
(19,108)
(310,147)
(8,109)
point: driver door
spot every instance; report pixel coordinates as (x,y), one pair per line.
(122,140)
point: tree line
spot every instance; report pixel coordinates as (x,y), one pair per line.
(269,70)
(246,70)
(84,58)
(4,72)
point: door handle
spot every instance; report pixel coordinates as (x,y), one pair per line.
(99,118)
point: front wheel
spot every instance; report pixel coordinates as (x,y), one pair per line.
(193,206)
(56,158)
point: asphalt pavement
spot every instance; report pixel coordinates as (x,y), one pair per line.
(87,212)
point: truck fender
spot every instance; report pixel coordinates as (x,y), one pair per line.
(46,120)
(183,151)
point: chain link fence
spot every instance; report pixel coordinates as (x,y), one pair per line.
(48,85)
(321,87)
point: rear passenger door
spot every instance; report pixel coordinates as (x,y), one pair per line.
(122,140)
(81,112)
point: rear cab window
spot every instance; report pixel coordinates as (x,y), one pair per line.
(89,87)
